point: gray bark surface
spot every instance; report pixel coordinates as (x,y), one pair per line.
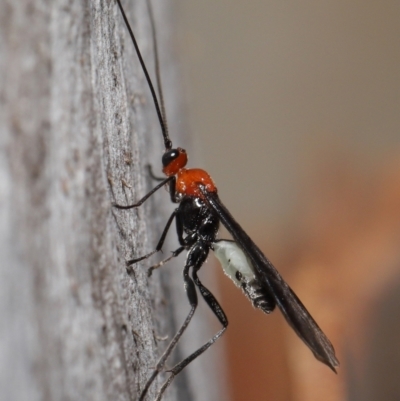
(77,128)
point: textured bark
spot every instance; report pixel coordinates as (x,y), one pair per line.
(77,130)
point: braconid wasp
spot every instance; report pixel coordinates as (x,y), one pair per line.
(197,219)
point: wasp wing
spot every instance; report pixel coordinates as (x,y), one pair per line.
(290,305)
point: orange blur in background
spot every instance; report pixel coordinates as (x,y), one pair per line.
(343,260)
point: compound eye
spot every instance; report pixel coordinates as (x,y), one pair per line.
(173,160)
(169,156)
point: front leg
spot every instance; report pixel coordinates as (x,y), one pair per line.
(137,204)
(152,175)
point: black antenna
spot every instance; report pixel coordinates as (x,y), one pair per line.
(167,141)
(157,64)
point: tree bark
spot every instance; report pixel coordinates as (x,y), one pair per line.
(77,129)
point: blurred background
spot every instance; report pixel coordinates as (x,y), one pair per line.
(295,111)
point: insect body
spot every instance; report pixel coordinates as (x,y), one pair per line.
(197,219)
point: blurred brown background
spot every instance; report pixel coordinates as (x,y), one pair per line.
(294,107)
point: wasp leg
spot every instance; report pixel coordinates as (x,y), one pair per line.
(154,177)
(160,242)
(147,196)
(192,296)
(163,262)
(219,313)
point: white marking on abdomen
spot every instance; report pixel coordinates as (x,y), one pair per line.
(233,260)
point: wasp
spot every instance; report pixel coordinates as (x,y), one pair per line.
(198,216)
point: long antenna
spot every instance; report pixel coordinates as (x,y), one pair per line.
(167,141)
(157,64)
